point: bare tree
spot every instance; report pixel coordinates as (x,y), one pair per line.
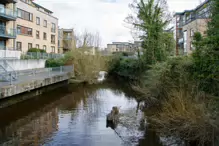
(88,39)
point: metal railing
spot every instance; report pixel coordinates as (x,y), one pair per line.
(5,12)
(7,32)
(31,74)
(7,72)
(39,55)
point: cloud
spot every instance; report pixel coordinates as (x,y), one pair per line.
(105,16)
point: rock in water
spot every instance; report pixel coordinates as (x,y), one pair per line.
(113,117)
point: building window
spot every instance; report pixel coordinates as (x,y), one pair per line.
(44,36)
(191,32)
(53,29)
(37,20)
(37,34)
(24,30)
(37,46)
(185,41)
(26,1)
(30,46)
(44,47)
(19,46)
(53,49)
(24,15)
(45,23)
(53,39)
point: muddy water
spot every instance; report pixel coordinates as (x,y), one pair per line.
(75,116)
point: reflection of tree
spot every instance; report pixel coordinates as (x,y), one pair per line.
(150,139)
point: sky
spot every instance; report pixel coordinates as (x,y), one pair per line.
(105,16)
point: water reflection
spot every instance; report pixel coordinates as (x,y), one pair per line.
(70,116)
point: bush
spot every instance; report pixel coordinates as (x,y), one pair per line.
(55,62)
(36,50)
(127,68)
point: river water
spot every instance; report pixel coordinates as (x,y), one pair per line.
(75,116)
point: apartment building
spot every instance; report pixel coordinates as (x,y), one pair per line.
(7,24)
(36,27)
(66,40)
(25,24)
(120,47)
(189,22)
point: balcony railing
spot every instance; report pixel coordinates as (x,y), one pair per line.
(7,32)
(53,30)
(67,38)
(8,14)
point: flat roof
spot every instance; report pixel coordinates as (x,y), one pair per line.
(37,5)
(198,7)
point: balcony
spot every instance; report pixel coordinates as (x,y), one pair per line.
(8,14)
(67,38)
(8,1)
(7,33)
(53,30)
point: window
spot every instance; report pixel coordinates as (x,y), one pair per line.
(37,34)
(44,47)
(24,15)
(26,1)
(37,46)
(191,32)
(53,49)
(37,20)
(19,45)
(45,23)
(53,39)
(185,40)
(53,29)
(24,30)
(44,36)
(30,45)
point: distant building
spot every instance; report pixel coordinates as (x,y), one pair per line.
(189,22)
(123,46)
(66,40)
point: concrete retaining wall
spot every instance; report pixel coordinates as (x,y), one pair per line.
(11,90)
(26,64)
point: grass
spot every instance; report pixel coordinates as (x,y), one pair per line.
(188,117)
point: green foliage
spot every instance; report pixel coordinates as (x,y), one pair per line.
(152,18)
(128,68)
(206,55)
(55,62)
(36,50)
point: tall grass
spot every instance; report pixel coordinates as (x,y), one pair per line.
(185,110)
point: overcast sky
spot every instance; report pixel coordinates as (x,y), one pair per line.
(105,16)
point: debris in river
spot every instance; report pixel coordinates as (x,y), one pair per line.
(112,118)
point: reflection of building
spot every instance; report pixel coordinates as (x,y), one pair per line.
(187,23)
(31,26)
(124,46)
(36,131)
(66,40)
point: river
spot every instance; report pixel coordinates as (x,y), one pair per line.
(75,116)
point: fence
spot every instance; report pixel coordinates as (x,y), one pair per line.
(25,75)
(10,54)
(39,55)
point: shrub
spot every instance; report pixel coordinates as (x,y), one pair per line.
(127,68)
(55,62)
(36,50)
